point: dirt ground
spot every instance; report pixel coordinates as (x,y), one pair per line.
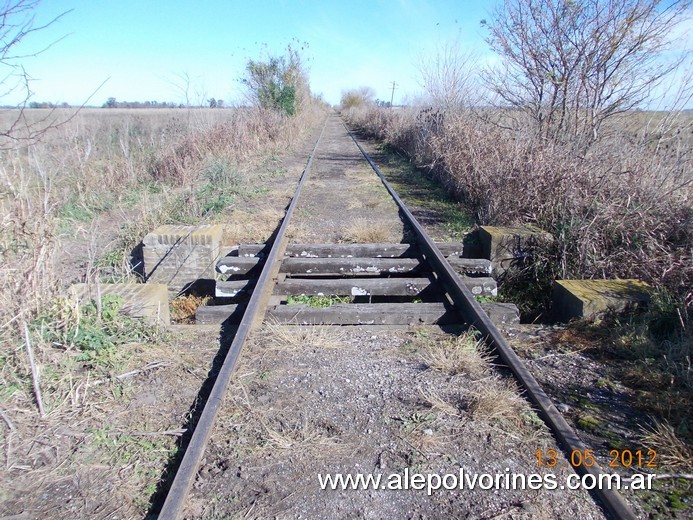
(343,200)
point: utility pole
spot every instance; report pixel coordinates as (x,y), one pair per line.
(392,98)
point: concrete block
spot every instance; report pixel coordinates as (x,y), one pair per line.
(504,245)
(180,256)
(502,314)
(585,298)
(145,301)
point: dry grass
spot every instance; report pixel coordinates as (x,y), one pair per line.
(671,450)
(622,210)
(361,230)
(438,404)
(460,355)
(183,308)
(498,400)
(290,338)
(80,178)
(243,226)
(304,437)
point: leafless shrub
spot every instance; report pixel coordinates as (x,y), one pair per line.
(449,77)
(570,66)
(17,24)
(622,210)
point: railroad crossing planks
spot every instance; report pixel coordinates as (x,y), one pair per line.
(384,250)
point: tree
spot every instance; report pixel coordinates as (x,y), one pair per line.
(357,97)
(17,22)
(449,77)
(573,64)
(279,83)
(212,103)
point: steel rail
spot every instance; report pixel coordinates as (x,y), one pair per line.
(255,310)
(474,315)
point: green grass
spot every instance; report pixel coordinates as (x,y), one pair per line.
(318,301)
(426,195)
(94,331)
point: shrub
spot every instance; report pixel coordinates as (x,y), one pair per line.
(618,211)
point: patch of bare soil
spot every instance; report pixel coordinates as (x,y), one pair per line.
(311,400)
(109,430)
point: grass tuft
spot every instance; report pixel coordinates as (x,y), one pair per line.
(292,338)
(364,231)
(460,355)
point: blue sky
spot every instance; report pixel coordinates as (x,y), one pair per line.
(142,49)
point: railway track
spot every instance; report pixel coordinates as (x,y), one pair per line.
(422,282)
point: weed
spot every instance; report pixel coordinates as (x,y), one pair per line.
(183,308)
(318,301)
(589,423)
(290,337)
(437,403)
(416,420)
(671,450)
(94,328)
(498,400)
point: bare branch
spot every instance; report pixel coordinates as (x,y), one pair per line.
(572,65)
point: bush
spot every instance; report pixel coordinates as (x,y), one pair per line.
(279,83)
(618,211)
(356,98)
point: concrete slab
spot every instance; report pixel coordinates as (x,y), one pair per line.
(504,245)
(585,298)
(180,256)
(145,301)
(502,314)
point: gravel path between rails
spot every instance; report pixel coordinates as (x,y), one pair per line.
(343,199)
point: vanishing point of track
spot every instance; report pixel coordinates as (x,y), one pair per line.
(464,304)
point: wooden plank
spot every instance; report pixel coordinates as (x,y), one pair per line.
(351,266)
(219,313)
(339,314)
(470,265)
(383,250)
(233,288)
(365,314)
(376,266)
(353,286)
(236,265)
(481,286)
